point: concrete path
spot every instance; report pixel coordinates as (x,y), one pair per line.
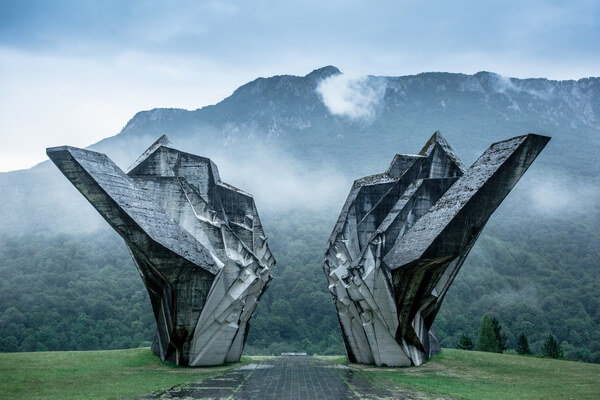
(285,378)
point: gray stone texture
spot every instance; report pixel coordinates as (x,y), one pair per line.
(197,243)
(402,237)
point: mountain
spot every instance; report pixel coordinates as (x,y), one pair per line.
(286,117)
(296,143)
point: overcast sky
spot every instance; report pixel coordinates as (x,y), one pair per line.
(74,72)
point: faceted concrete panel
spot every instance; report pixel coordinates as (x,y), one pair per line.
(197,243)
(402,237)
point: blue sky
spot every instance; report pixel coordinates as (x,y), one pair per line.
(73,72)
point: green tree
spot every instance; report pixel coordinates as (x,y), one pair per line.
(306,346)
(465,342)
(551,348)
(499,335)
(488,341)
(523,344)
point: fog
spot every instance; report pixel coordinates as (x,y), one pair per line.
(277,180)
(506,85)
(556,193)
(280,182)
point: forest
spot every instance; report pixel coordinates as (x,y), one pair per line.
(82,292)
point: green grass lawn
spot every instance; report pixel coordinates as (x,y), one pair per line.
(107,374)
(114,374)
(478,375)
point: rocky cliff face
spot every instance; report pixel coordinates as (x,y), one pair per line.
(300,115)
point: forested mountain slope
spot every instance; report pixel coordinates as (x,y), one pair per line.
(297,143)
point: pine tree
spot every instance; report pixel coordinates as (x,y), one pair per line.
(523,344)
(499,335)
(551,348)
(465,342)
(487,337)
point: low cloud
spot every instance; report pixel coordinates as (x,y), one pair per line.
(563,195)
(280,183)
(508,297)
(277,180)
(355,98)
(505,84)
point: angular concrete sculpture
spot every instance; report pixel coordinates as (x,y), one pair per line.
(197,243)
(403,235)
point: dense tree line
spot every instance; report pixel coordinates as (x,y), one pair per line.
(75,292)
(491,339)
(543,285)
(65,292)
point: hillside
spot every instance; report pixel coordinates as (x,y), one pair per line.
(68,282)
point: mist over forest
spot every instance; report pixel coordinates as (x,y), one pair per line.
(297,143)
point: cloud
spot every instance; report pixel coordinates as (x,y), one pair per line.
(222,7)
(508,297)
(55,100)
(277,180)
(503,84)
(355,98)
(74,72)
(560,194)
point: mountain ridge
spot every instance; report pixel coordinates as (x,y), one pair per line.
(288,116)
(289,107)
(483,82)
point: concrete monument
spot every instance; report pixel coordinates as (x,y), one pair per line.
(197,243)
(402,237)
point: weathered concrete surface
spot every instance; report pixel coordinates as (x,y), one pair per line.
(402,237)
(283,378)
(197,242)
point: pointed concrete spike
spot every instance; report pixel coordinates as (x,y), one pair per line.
(439,139)
(161,141)
(465,208)
(401,163)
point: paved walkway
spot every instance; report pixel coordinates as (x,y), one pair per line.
(286,378)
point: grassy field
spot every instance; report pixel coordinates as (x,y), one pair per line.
(108,374)
(478,375)
(114,374)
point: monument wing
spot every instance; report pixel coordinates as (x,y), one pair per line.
(402,237)
(197,243)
